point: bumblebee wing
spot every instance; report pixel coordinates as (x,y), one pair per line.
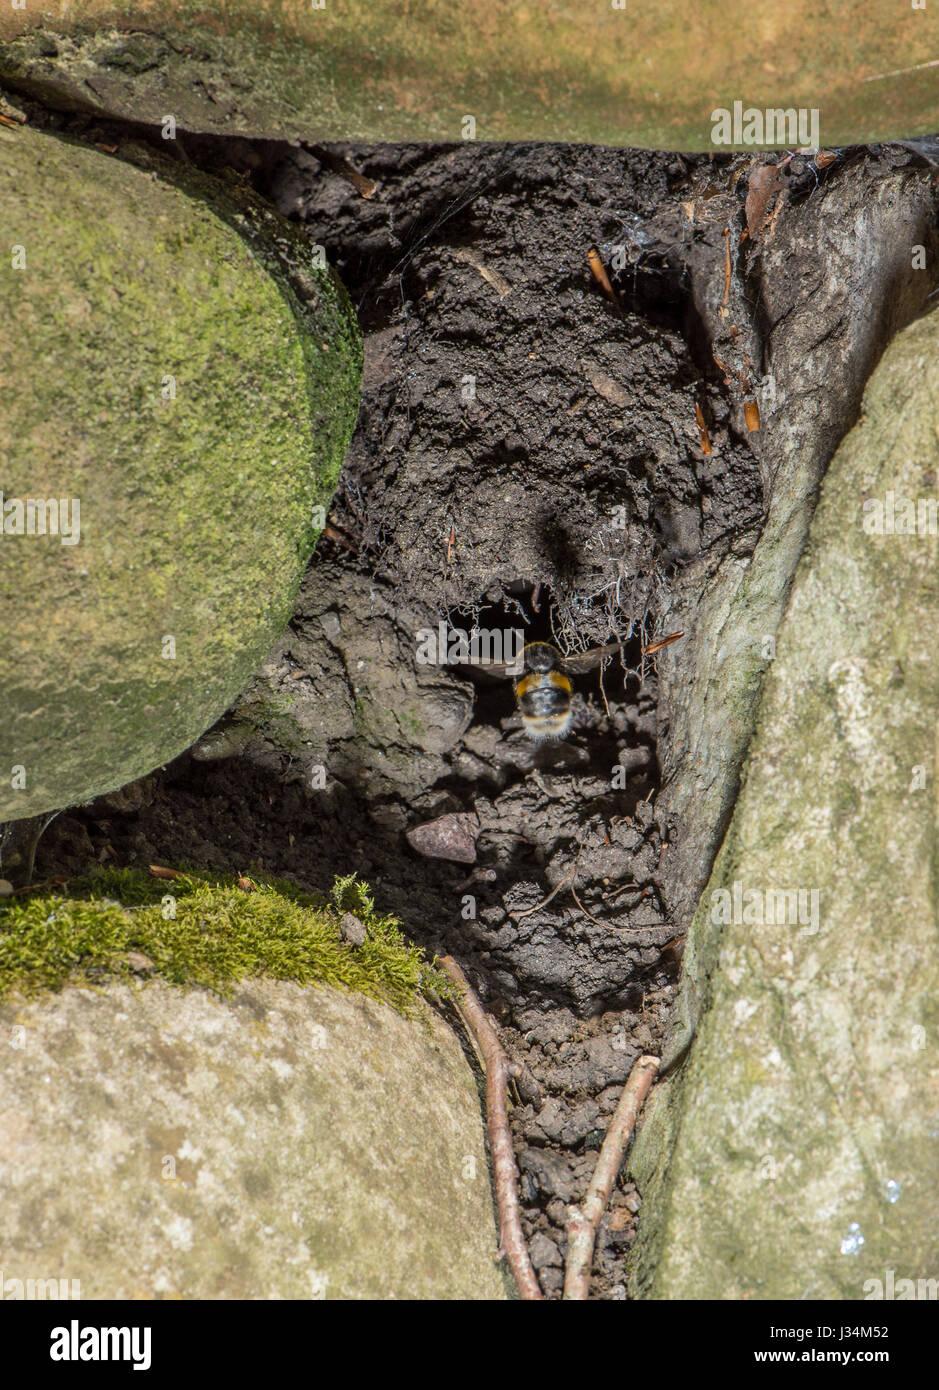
(579,662)
(500,670)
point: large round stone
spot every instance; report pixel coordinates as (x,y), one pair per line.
(171,421)
(286,1143)
(611,73)
(794,1153)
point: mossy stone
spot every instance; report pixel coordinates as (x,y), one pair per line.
(794,1154)
(615,73)
(286,1119)
(156,373)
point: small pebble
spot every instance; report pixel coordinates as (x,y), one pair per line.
(139,963)
(448,837)
(352,930)
(544,1253)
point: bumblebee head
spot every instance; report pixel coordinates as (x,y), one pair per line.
(540,656)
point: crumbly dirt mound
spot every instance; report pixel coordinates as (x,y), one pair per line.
(516,425)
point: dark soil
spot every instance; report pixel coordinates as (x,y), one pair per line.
(509,410)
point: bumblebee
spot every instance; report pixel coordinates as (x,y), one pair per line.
(543,690)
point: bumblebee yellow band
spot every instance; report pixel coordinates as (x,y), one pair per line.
(538,678)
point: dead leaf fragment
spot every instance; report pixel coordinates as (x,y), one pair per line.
(765,181)
(702,429)
(492,277)
(598,270)
(605,386)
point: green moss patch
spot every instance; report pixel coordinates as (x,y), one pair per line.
(187,377)
(207,931)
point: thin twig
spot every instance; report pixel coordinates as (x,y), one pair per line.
(505,1172)
(568,881)
(472,1037)
(623,888)
(602,691)
(365,187)
(584,910)
(526,912)
(58,882)
(582,1221)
